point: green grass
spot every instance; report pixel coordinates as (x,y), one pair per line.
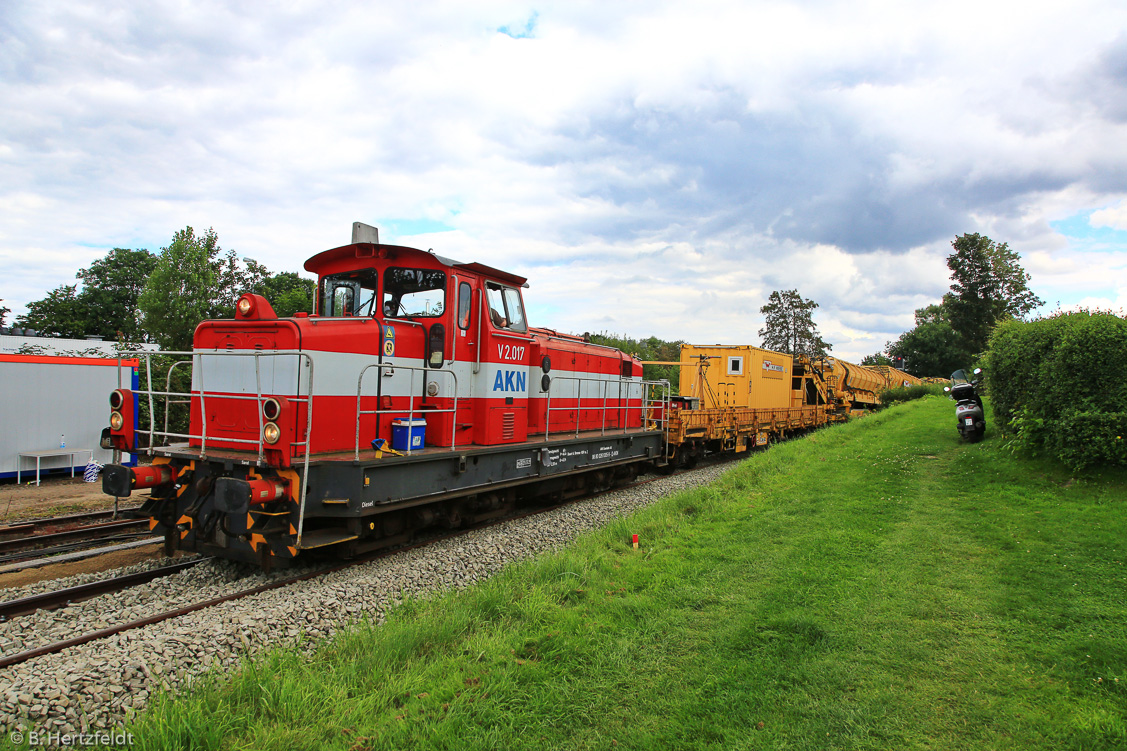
(876,585)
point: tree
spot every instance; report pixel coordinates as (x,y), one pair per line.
(877,358)
(4,311)
(110,289)
(289,293)
(651,349)
(932,348)
(181,290)
(60,313)
(989,286)
(106,305)
(790,327)
(234,280)
(194,280)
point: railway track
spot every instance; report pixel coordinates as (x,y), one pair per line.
(47,543)
(41,526)
(62,597)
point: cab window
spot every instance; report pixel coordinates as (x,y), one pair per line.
(352,293)
(465,300)
(505,307)
(413,293)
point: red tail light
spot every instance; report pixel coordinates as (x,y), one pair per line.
(123,404)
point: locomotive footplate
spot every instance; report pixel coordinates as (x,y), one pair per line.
(338,489)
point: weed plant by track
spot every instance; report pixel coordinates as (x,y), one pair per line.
(877,585)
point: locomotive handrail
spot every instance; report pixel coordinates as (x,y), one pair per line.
(410,402)
(198,374)
(315,320)
(527,339)
(258,395)
(604,395)
(167,401)
(401,320)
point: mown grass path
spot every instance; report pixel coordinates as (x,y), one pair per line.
(876,585)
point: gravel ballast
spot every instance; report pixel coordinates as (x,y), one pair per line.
(96,685)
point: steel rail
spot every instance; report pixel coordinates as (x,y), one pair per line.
(58,521)
(45,555)
(87,531)
(63,597)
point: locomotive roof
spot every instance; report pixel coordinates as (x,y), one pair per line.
(362,251)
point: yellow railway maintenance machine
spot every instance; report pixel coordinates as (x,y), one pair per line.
(735,397)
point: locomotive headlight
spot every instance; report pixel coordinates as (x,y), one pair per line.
(116,399)
(271,409)
(271,433)
(246,305)
(432,389)
(116,420)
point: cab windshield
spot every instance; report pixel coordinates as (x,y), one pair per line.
(352,293)
(412,293)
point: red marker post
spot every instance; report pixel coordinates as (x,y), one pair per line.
(635,541)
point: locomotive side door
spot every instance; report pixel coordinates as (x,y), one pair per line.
(464,337)
(501,385)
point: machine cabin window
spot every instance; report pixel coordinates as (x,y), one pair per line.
(414,293)
(735,366)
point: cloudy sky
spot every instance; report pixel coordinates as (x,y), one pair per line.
(654,168)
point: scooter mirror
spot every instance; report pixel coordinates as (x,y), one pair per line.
(946,389)
(978,371)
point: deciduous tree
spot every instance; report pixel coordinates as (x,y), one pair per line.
(58,314)
(181,290)
(194,280)
(110,288)
(790,327)
(105,306)
(289,293)
(932,348)
(989,285)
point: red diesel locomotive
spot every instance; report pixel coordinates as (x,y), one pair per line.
(415,394)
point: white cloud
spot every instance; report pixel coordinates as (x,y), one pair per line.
(1114,217)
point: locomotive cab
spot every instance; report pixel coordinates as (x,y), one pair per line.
(451,341)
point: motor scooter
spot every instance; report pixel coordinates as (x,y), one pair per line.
(968,405)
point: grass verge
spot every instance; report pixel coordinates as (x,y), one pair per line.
(876,585)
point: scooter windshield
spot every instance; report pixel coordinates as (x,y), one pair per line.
(959,377)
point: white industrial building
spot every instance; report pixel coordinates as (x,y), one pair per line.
(47,401)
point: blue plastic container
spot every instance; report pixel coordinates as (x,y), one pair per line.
(408,434)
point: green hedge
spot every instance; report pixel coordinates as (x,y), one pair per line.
(899,394)
(1058,384)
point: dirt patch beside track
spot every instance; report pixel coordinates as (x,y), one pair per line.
(53,497)
(56,496)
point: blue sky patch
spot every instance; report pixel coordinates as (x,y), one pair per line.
(1079,229)
(528,32)
(408,227)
